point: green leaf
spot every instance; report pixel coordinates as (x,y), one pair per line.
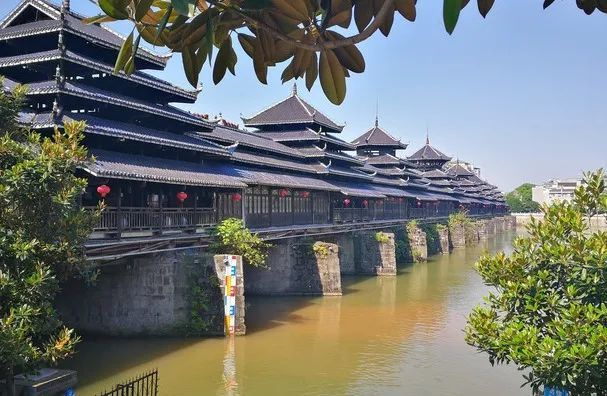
(184,7)
(484,6)
(117,9)
(332,77)
(222,61)
(142,8)
(163,22)
(101,18)
(191,66)
(125,53)
(451,10)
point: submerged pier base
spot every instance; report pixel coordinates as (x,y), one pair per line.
(375,253)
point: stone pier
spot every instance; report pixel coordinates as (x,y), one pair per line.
(345,244)
(375,253)
(471,232)
(499,224)
(164,294)
(482,227)
(457,235)
(443,236)
(297,267)
(418,243)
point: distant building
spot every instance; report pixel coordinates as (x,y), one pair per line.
(555,191)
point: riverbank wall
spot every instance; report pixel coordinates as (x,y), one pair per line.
(184,292)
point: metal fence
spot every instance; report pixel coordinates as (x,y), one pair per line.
(145,384)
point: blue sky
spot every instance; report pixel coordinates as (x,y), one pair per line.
(520,94)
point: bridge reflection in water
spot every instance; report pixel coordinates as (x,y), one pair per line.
(385,335)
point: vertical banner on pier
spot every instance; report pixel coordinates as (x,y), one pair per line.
(229,297)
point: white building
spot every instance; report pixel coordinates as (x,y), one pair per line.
(555,190)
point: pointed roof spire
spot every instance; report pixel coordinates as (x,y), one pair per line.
(65,6)
(427,137)
(376,112)
(294,92)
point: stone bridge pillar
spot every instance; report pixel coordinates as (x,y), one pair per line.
(482,227)
(297,267)
(375,253)
(457,235)
(443,236)
(418,243)
(345,244)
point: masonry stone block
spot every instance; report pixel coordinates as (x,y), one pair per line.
(345,243)
(297,267)
(375,255)
(443,236)
(457,236)
(418,243)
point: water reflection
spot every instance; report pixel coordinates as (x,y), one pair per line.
(385,335)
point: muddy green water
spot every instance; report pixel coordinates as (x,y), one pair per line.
(385,336)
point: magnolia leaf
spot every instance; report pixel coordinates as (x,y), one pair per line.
(406,8)
(184,7)
(164,21)
(312,71)
(341,13)
(101,18)
(548,3)
(142,8)
(295,9)
(222,61)
(190,66)
(386,25)
(125,53)
(332,77)
(349,56)
(451,10)
(261,69)
(363,13)
(484,6)
(117,9)
(247,43)
(287,73)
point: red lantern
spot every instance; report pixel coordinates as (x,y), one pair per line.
(181,196)
(283,193)
(347,202)
(103,190)
(304,194)
(365,203)
(236,197)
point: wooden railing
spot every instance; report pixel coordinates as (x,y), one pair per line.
(158,219)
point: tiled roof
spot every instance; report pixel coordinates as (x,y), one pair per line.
(437,174)
(376,136)
(134,167)
(228,135)
(271,161)
(342,171)
(292,110)
(92,93)
(73,23)
(391,171)
(265,178)
(427,152)
(458,170)
(137,77)
(359,190)
(384,159)
(315,152)
(307,135)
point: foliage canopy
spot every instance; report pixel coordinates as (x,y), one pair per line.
(520,200)
(548,311)
(315,36)
(232,237)
(42,231)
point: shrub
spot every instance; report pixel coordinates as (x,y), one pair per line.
(382,237)
(232,237)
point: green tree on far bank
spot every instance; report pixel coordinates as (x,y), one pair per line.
(520,200)
(547,312)
(42,232)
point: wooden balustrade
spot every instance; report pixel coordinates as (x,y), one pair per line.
(156,219)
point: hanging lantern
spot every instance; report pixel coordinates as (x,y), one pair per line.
(365,203)
(304,194)
(419,203)
(347,202)
(236,197)
(401,200)
(103,190)
(380,202)
(181,196)
(283,193)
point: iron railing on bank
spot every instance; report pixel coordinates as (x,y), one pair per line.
(145,384)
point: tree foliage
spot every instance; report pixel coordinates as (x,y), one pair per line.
(548,312)
(519,200)
(42,231)
(232,237)
(314,36)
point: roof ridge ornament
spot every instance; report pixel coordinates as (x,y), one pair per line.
(294,91)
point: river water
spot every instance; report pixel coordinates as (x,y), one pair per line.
(385,336)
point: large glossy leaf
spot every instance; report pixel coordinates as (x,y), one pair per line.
(184,7)
(451,10)
(295,9)
(332,77)
(548,3)
(341,13)
(386,25)
(406,8)
(222,61)
(143,6)
(349,56)
(312,71)
(125,53)
(363,13)
(101,18)
(191,66)
(484,6)
(117,9)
